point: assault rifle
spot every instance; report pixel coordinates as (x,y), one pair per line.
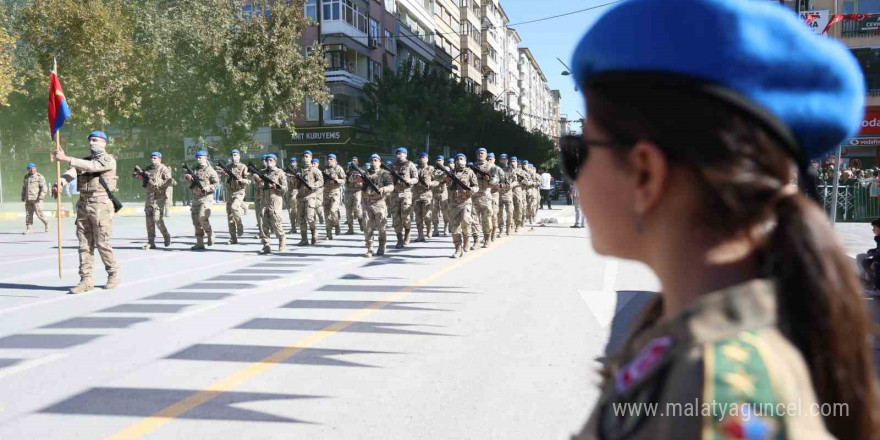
(363,174)
(139,172)
(266,180)
(230,177)
(196,181)
(479,171)
(394,174)
(455,180)
(291,172)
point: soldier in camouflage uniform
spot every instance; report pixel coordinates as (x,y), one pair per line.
(292,190)
(519,193)
(482,199)
(459,203)
(440,198)
(309,186)
(352,198)
(423,197)
(156,186)
(496,198)
(258,200)
(401,197)
(273,202)
(334,178)
(94,211)
(236,186)
(536,192)
(507,184)
(203,199)
(33,191)
(375,209)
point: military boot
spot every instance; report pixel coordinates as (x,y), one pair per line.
(151,244)
(474,243)
(436,232)
(167,238)
(381,250)
(507,229)
(266,249)
(233,239)
(200,244)
(486,240)
(350,230)
(304,234)
(329,233)
(406,236)
(112,281)
(211,238)
(369,253)
(336,230)
(46,224)
(314,236)
(28,229)
(399,244)
(464,243)
(293,229)
(456,240)
(361,224)
(239,228)
(282,244)
(84,285)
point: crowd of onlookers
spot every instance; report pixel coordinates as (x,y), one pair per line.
(850,174)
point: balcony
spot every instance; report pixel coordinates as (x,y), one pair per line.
(345,77)
(415,42)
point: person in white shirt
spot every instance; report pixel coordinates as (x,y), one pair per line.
(546,186)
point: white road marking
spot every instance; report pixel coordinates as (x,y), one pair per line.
(603,303)
(31,364)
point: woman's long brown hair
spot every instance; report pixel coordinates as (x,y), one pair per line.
(741,170)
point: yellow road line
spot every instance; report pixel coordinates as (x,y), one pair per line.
(214,390)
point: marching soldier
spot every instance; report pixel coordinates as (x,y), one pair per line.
(375,209)
(236,186)
(507,184)
(460,192)
(423,198)
(158,180)
(519,193)
(292,190)
(258,199)
(536,192)
(273,201)
(352,198)
(482,199)
(96,179)
(33,191)
(334,178)
(439,199)
(319,209)
(203,198)
(401,197)
(388,201)
(496,198)
(309,183)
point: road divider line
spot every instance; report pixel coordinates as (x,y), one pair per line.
(214,390)
(31,364)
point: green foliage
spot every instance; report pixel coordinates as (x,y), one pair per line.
(403,107)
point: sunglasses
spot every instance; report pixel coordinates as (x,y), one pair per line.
(573,152)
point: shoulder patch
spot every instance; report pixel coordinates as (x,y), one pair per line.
(645,361)
(739,389)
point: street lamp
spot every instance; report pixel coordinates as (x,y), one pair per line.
(567,71)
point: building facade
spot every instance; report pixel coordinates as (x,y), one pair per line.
(494,22)
(447,42)
(471,44)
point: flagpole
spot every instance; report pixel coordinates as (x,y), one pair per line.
(58,180)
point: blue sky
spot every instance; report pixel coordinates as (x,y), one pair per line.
(555,38)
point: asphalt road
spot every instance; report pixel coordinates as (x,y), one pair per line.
(316,343)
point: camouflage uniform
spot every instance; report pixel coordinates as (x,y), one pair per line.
(375,209)
(496,203)
(273,204)
(33,191)
(307,201)
(235,190)
(94,213)
(203,199)
(401,199)
(158,182)
(506,210)
(423,200)
(483,201)
(258,204)
(459,207)
(292,190)
(440,202)
(519,198)
(334,178)
(728,349)
(352,201)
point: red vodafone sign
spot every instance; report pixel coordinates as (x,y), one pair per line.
(870,124)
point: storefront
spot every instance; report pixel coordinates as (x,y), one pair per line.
(863,150)
(344,141)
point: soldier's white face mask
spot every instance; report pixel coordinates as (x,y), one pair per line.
(401,157)
(202,161)
(236,158)
(97,145)
(270,163)
(331,162)
(155,160)
(423,160)
(375,164)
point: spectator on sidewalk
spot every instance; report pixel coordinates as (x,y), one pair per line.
(578,213)
(869,262)
(546,186)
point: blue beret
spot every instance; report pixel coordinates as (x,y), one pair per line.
(423,154)
(234,151)
(387,162)
(525,162)
(293,159)
(157,154)
(759,57)
(375,156)
(440,156)
(400,150)
(331,156)
(316,161)
(272,156)
(481,150)
(470,163)
(201,153)
(450,160)
(31,165)
(503,155)
(309,152)
(491,155)
(514,159)
(97,134)
(265,156)
(460,155)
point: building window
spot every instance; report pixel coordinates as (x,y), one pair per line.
(339,110)
(311,9)
(334,56)
(332,10)
(375,71)
(375,41)
(312,110)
